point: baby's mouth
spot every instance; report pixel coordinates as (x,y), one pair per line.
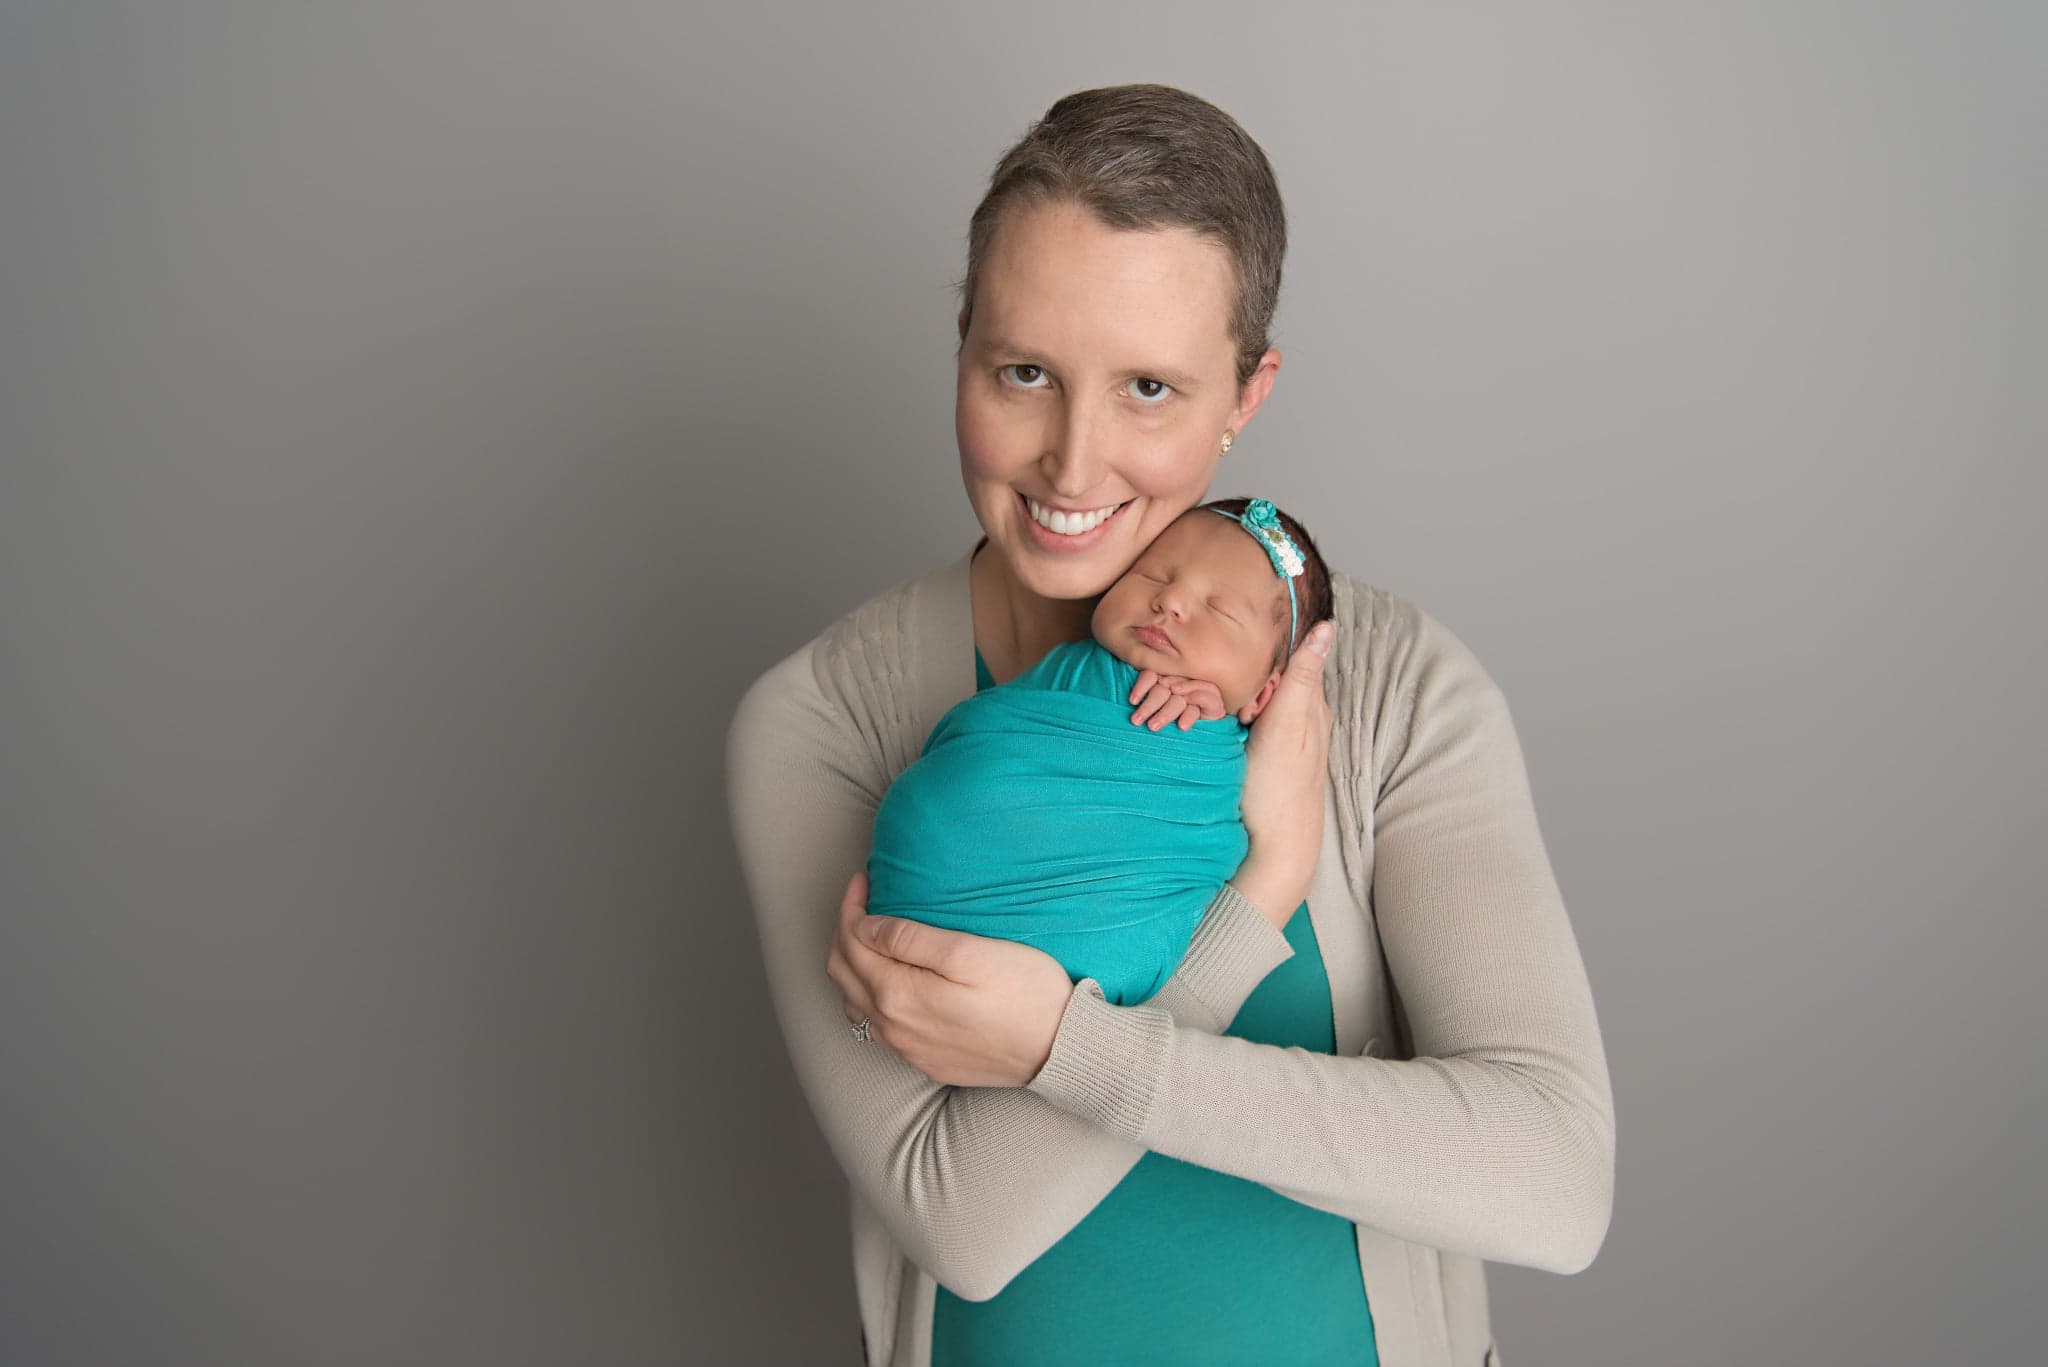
(1154,637)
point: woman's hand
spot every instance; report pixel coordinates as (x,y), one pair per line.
(1286,772)
(964,1010)
(1163,698)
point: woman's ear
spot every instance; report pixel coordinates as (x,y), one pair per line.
(1252,393)
(1249,713)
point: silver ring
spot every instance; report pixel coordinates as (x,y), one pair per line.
(860,1032)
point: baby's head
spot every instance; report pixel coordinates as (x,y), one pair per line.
(1205,601)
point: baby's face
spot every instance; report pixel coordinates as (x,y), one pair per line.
(1203,601)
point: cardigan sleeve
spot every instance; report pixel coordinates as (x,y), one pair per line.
(1497,1138)
(973,1183)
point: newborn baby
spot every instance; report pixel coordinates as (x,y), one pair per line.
(1046,811)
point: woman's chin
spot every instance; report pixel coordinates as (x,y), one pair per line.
(1068,582)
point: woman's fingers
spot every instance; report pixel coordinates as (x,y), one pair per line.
(948,953)
(962,1009)
(857,999)
(1305,670)
(865,944)
(1300,690)
(1286,771)
(885,967)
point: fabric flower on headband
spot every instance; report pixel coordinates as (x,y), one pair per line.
(1262,519)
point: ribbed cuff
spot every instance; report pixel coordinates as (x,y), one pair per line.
(1107,1061)
(1233,950)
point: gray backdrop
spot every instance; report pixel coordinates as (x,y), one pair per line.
(421,422)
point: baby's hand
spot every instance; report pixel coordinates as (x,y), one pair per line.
(1167,697)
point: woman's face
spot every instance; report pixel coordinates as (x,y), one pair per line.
(1097,378)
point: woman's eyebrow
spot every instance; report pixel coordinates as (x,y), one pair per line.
(1004,346)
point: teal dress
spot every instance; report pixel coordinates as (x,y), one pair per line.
(1183,1264)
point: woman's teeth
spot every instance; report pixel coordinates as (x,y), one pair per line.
(1067,524)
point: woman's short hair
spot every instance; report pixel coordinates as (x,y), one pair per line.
(1146,156)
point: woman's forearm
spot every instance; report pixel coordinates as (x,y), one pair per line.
(1504,1154)
(1276,891)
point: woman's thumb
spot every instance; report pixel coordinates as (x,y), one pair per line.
(1315,649)
(896,937)
(1304,673)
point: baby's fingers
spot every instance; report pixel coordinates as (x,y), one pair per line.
(1154,700)
(1146,678)
(1203,697)
(1173,707)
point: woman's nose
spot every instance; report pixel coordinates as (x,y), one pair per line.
(1075,462)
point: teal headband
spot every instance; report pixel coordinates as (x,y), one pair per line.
(1262,520)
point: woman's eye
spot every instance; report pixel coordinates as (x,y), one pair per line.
(1150,391)
(1024,376)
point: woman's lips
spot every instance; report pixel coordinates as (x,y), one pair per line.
(1154,637)
(1047,540)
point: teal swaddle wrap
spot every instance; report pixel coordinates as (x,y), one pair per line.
(1037,812)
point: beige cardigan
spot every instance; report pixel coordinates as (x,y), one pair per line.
(1495,1139)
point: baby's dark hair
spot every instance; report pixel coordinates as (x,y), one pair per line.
(1313,599)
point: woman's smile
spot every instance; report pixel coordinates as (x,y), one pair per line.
(1086,530)
(1068,521)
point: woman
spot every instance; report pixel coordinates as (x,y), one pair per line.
(1378,1063)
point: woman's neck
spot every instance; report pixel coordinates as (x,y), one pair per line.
(1014,627)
